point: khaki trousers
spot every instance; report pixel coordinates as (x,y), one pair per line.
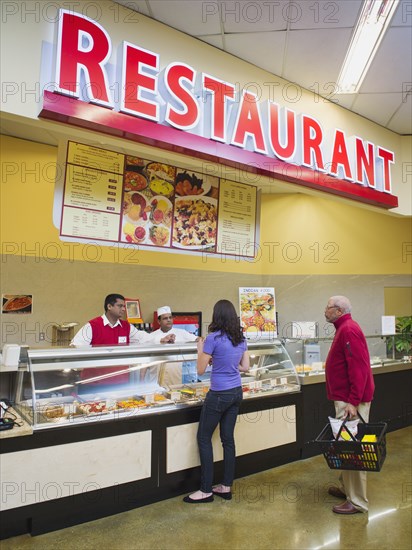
(354,482)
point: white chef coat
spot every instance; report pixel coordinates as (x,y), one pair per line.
(173,371)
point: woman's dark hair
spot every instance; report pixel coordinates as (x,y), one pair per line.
(112,299)
(227,321)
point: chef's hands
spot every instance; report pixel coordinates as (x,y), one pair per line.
(350,411)
(168,339)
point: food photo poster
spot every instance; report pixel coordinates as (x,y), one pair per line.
(108,196)
(17,303)
(258,312)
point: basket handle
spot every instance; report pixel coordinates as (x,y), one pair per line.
(358,414)
(349,432)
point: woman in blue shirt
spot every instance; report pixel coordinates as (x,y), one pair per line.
(227,348)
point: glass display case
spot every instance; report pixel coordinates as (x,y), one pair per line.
(309,355)
(54,387)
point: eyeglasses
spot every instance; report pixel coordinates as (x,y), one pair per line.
(332,307)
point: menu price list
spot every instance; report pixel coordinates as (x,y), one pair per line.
(88,156)
(90,224)
(89,188)
(237,218)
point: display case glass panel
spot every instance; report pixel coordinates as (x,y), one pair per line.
(74,385)
(309,355)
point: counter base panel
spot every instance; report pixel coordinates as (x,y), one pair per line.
(392,404)
(53,515)
(79,508)
(253,432)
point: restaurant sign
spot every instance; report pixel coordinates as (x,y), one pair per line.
(181,109)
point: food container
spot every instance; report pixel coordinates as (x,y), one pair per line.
(174,395)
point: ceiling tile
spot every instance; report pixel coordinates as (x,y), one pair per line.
(392,67)
(323,15)
(403,14)
(195,18)
(401,121)
(313,58)
(264,50)
(257,16)
(377,107)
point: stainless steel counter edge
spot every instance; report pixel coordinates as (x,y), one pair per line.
(308,379)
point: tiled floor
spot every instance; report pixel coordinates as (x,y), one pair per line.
(283,508)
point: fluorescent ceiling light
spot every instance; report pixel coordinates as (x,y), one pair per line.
(369,31)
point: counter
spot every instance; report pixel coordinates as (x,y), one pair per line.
(81,467)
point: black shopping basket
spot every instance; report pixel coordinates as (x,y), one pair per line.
(355,454)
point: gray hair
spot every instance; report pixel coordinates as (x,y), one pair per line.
(342,303)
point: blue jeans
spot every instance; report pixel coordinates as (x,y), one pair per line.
(219,407)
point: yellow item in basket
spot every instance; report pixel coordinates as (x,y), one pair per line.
(345,436)
(369,438)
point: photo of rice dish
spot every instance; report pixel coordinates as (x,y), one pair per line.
(195,222)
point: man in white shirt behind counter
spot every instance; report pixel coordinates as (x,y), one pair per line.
(169,334)
(108,329)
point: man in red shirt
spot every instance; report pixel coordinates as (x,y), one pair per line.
(349,383)
(108,330)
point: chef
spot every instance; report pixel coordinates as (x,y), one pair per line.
(169,334)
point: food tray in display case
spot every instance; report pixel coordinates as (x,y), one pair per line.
(59,386)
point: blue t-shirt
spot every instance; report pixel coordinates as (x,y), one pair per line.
(226,358)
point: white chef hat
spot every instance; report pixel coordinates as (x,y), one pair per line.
(163,310)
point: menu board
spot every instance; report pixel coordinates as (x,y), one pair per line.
(258,311)
(110,196)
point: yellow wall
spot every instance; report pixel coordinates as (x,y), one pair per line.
(332,237)
(299,233)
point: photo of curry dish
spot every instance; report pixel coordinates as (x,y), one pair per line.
(134,181)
